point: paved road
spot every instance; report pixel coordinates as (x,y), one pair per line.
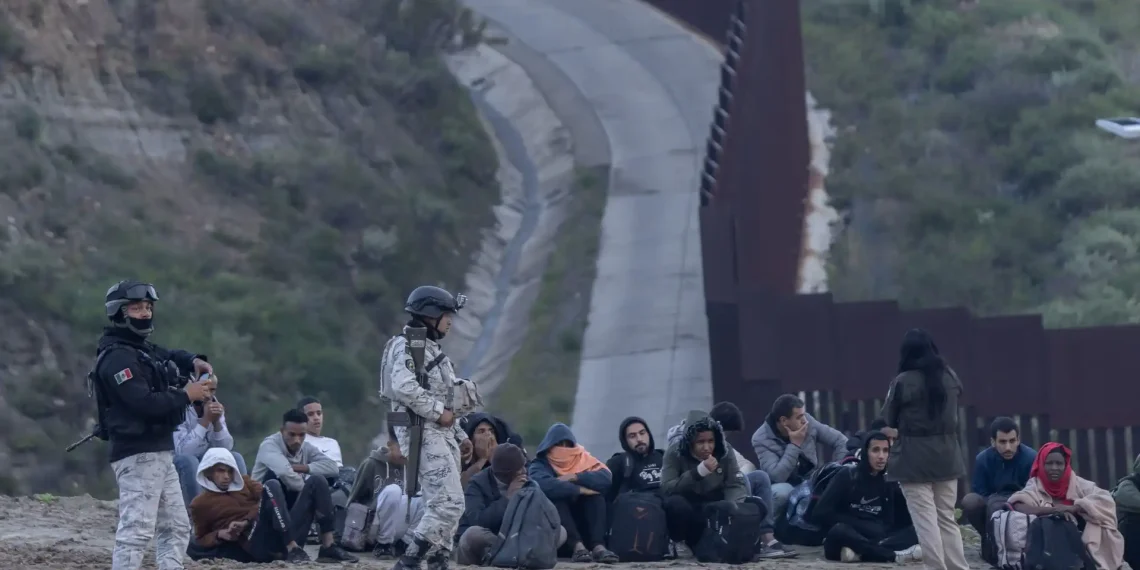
(652,85)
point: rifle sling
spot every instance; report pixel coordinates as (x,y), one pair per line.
(404,419)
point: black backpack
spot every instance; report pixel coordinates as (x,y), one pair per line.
(732,532)
(1054,543)
(638,532)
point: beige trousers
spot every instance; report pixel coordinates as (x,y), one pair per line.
(931,507)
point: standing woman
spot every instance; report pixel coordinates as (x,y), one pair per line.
(922,412)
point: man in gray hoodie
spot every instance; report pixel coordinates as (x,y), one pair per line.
(790,445)
(303,472)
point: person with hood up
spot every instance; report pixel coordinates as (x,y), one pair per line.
(485,432)
(576,483)
(639,458)
(699,468)
(866,514)
(1127,497)
(240,519)
(380,485)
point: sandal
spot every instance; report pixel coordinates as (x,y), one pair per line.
(604,556)
(581,556)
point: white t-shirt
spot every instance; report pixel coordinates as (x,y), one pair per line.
(328,446)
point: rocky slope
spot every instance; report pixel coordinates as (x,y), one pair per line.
(284,171)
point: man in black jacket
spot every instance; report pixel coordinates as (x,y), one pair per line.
(638,467)
(866,515)
(486,500)
(139,409)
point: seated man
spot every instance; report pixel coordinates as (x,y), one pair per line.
(759,484)
(1127,496)
(485,432)
(699,468)
(791,444)
(380,485)
(236,517)
(576,483)
(204,427)
(487,496)
(1000,470)
(867,515)
(315,413)
(639,459)
(1053,488)
(303,472)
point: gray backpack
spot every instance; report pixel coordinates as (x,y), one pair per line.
(528,537)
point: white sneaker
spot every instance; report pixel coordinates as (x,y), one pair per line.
(848,555)
(682,551)
(912,554)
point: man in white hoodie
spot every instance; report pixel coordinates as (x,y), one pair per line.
(203,428)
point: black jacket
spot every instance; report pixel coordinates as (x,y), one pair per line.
(143,410)
(644,471)
(485,505)
(867,502)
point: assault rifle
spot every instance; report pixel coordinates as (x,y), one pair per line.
(417,343)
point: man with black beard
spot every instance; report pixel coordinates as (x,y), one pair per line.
(638,467)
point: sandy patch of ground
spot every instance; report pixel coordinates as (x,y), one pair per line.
(74,533)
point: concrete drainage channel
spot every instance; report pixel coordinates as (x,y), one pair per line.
(537,168)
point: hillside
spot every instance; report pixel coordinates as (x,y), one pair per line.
(283,172)
(966,162)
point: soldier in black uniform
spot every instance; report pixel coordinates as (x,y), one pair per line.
(140,406)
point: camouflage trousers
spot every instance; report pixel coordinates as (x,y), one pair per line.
(150,506)
(440,485)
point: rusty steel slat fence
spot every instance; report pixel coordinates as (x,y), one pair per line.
(1074,385)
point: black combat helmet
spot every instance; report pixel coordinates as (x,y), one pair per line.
(124,293)
(432,302)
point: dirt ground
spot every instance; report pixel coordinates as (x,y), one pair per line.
(74,533)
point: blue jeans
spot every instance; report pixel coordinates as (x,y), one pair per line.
(187,467)
(761,487)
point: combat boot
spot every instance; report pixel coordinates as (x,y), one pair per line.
(439,560)
(412,560)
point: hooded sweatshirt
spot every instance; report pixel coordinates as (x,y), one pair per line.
(644,470)
(682,473)
(375,472)
(274,456)
(503,433)
(214,509)
(592,474)
(1127,496)
(864,500)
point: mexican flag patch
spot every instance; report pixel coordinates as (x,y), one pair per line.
(123,375)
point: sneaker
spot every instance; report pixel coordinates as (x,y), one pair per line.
(776,549)
(848,555)
(912,554)
(439,560)
(334,554)
(681,551)
(297,556)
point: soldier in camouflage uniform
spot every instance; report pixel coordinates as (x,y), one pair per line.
(139,409)
(446,399)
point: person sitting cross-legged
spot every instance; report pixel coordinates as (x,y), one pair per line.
(866,516)
(576,483)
